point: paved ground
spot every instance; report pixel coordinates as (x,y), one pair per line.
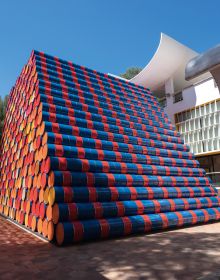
(192,253)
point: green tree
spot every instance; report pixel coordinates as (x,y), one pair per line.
(3,105)
(131,72)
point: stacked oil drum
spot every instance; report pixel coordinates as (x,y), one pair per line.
(85,155)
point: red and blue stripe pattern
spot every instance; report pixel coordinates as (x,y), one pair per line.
(76,231)
(89,156)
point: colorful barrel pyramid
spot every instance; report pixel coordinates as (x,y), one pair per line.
(85,156)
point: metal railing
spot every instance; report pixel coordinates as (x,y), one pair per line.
(163,102)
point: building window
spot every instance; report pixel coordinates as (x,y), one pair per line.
(204,122)
(177,97)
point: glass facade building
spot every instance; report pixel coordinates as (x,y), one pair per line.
(200,129)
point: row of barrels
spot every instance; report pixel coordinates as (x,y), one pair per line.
(85,155)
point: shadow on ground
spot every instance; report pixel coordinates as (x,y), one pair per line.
(182,254)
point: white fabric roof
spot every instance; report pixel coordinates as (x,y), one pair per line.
(168,61)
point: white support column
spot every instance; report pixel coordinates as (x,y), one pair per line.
(169,86)
(169,91)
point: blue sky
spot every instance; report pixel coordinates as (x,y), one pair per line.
(107,35)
